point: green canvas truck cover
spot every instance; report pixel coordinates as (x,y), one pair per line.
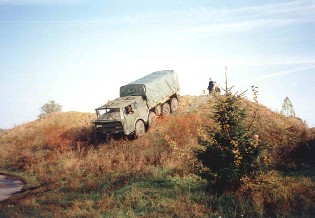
(156,87)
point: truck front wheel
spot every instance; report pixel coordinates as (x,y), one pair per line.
(166,109)
(174,104)
(139,128)
(100,138)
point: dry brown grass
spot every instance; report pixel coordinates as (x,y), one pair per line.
(57,153)
(53,150)
(283,135)
(277,195)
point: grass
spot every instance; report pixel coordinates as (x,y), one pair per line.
(153,176)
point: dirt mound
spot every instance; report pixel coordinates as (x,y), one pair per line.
(68,130)
(67,175)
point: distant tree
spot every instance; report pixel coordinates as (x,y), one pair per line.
(49,107)
(287,108)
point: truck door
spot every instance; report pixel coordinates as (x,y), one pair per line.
(130,117)
(142,110)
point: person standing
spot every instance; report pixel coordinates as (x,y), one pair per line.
(210,86)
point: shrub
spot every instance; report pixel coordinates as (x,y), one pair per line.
(231,151)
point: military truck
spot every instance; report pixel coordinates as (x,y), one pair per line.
(140,102)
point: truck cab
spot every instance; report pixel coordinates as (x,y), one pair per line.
(140,102)
(126,115)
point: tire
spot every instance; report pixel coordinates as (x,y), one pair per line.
(97,139)
(166,110)
(151,119)
(100,138)
(174,105)
(139,128)
(158,110)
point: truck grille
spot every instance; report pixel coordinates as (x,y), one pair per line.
(109,126)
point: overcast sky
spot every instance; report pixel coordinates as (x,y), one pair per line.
(79,52)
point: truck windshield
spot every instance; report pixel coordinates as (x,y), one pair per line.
(108,113)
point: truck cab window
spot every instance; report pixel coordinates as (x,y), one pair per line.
(129,109)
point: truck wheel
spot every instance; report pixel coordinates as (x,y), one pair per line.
(158,110)
(139,128)
(97,139)
(174,104)
(151,118)
(100,138)
(166,109)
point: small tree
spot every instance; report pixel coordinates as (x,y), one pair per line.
(231,152)
(49,107)
(287,108)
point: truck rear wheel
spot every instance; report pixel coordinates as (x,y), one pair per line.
(158,110)
(166,110)
(139,128)
(151,118)
(174,104)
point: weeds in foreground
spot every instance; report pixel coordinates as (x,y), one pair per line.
(285,196)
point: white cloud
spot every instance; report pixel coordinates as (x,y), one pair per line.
(213,20)
(240,26)
(32,2)
(292,9)
(273,60)
(216,21)
(277,74)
